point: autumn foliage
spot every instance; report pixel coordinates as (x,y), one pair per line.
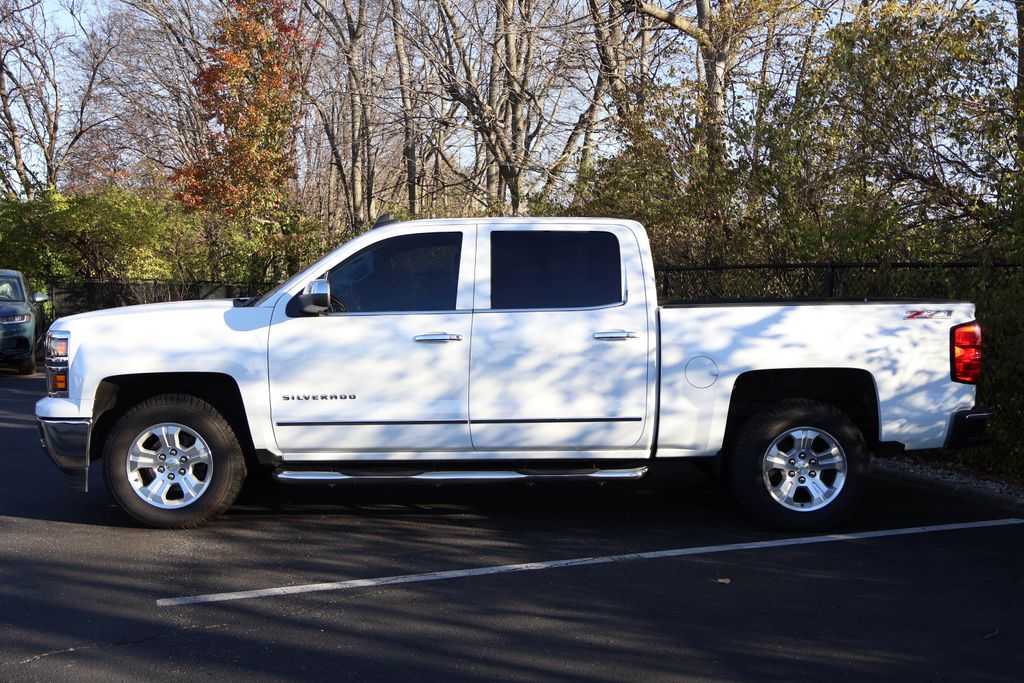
(249,89)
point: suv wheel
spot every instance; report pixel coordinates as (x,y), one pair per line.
(27,366)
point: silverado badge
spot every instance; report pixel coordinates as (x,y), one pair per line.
(318,397)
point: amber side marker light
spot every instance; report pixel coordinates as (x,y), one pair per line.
(965,353)
(58,382)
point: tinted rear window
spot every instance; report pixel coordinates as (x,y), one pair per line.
(554,269)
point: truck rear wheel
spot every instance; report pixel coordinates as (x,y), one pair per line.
(800,466)
(173,461)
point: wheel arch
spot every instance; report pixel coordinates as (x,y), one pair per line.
(116,394)
(851,390)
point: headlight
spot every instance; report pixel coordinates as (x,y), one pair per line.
(15,319)
(57,345)
(57,363)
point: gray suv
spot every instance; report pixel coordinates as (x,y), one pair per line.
(22,324)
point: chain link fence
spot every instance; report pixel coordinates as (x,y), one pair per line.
(954,280)
(68,296)
(959,279)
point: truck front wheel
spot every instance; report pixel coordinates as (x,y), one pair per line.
(800,466)
(173,461)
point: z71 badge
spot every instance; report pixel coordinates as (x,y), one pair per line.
(929,314)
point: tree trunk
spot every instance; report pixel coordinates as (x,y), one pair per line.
(492,186)
(1018,90)
(715,60)
(762,99)
(356,149)
(14,135)
(510,169)
(1017,219)
(714,124)
(513,181)
(408,119)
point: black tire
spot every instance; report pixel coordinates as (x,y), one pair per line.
(27,366)
(754,486)
(226,474)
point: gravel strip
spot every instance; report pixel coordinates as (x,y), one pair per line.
(957,481)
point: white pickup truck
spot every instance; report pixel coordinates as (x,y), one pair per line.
(481,350)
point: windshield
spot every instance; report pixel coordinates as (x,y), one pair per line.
(10,288)
(258,300)
(263,298)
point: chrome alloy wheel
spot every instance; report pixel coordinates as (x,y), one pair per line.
(169,466)
(804,469)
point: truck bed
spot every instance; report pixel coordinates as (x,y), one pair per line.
(888,344)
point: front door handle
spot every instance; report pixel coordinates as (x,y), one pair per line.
(437,338)
(614,335)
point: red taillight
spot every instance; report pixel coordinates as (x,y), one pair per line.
(966,353)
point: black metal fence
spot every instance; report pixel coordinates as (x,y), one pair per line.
(957,279)
(914,279)
(70,296)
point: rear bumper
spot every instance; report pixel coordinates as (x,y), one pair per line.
(969,428)
(67,444)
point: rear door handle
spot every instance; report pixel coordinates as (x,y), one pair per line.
(437,338)
(614,335)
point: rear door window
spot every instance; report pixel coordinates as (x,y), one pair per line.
(534,269)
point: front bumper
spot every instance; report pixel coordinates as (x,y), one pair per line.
(66,441)
(15,348)
(969,428)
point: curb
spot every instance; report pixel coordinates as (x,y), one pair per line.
(964,489)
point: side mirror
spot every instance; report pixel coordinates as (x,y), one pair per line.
(314,300)
(39,298)
(317,297)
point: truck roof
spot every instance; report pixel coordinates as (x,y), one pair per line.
(531,220)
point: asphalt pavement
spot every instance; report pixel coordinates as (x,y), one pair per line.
(80,583)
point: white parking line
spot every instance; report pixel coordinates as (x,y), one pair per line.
(577,562)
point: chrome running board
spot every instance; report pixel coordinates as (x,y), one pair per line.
(455,477)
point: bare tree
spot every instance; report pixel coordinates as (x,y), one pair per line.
(150,79)
(514,69)
(721,30)
(49,77)
(341,102)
